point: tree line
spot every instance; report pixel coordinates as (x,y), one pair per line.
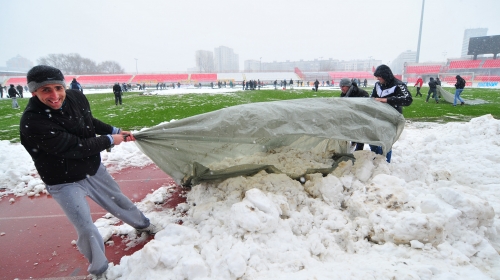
(75,64)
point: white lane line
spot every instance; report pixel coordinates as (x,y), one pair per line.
(44,216)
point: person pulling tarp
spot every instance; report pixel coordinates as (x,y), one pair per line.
(186,148)
(449,97)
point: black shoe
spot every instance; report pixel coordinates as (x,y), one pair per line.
(462,103)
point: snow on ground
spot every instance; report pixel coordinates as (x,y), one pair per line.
(433,213)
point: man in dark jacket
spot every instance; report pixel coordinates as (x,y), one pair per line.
(316,85)
(432,89)
(61,135)
(459,87)
(392,91)
(348,89)
(20,90)
(13,95)
(117,90)
(75,85)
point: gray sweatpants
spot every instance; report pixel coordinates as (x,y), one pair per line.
(102,189)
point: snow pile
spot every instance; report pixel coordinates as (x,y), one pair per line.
(426,215)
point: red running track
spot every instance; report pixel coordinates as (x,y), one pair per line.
(36,243)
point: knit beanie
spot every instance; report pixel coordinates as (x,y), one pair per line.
(42,75)
(344,82)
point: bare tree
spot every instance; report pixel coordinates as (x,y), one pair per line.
(205,61)
(74,64)
(110,67)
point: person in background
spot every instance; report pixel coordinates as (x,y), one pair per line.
(117,90)
(13,95)
(1,91)
(348,89)
(392,91)
(65,142)
(432,88)
(316,85)
(75,85)
(419,84)
(459,87)
(20,90)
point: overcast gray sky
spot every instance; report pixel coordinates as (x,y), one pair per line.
(164,34)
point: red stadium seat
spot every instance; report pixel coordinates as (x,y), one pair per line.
(491,63)
(337,75)
(205,77)
(464,64)
(480,78)
(423,69)
(103,79)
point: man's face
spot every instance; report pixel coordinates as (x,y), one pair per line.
(52,95)
(381,80)
(344,89)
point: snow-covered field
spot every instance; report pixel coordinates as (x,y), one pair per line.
(433,213)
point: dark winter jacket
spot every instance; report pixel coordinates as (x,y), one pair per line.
(75,85)
(355,92)
(117,89)
(63,142)
(460,82)
(20,90)
(432,84)
(13,92)
(394,90)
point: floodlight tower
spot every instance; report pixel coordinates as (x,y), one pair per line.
(420,32)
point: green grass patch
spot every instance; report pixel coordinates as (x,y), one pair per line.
(140,111)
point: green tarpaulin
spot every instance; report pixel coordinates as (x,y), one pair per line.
(184,148)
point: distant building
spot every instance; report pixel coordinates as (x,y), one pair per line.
(225,60)
(252,66)
(397,65)
(468,33)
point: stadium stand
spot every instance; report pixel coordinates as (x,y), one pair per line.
(491,63)
(320,76)
(423,69)
(204,77)
(452,80)
(411,80)
(158,78)
(351,74)
(16,81)
(464,64)
(102,79)
(22,80)
(480,78)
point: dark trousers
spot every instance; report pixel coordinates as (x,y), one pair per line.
(418,92)
(434,94)
(118,98)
